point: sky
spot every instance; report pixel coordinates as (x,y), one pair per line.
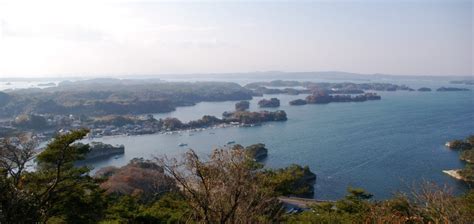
(120,37)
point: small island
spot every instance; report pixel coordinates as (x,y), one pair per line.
(424,89)
(306,178)
(305,182)
(250,118)
(298,102)
(257,151)
(242,105)
(273,102)
(451,89)
(99,150)
(324,98)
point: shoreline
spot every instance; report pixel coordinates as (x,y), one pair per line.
(454,173)
(189,131)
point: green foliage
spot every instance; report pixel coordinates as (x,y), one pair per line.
(171,208)
(467,172)
(62,152)
(247,117)
(358,194)
(291,180)
(459,145)
(467,155)
(16,204)
(123,209)
(257,151)
(467,204)
(66,191)
(82,202)
(352,209)
(228,186)
(470,139)
(355,202)
(427,204)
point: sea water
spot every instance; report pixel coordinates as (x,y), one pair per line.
(382,146)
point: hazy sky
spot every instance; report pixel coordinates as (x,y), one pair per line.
(154,37)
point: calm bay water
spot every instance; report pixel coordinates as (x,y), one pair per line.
(381,146)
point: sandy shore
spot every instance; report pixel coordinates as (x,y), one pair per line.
(453,173)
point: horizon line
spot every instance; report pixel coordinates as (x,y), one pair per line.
(183,75)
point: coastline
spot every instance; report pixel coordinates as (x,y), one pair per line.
(183,131)
(454,173)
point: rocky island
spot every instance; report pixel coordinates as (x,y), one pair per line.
(246,117)
(99,150)
(302,186)
(298,102)
(451,89)
(257,151)
(242,105)
(305,182)
(273,102)
(323,98)
(424,89)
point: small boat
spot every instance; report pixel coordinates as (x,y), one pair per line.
(182,145)
(116,157)
(230,142)
(212,133)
